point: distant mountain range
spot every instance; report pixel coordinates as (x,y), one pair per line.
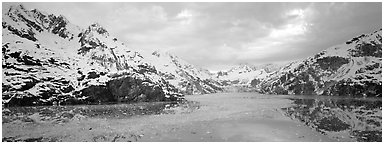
(245,74)
(48,60)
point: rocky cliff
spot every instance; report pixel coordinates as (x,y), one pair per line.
(48,60)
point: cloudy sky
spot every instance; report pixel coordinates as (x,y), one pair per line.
(218,35)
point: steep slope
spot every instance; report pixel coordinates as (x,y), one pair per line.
(350,69)
(184,76)
(47,60)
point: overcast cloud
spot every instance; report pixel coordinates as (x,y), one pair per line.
(218,35)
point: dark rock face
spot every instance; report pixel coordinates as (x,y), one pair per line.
(331,63)
(367,49)
(28,34)
(349,88)
(21,99)
(57,26)
(88,42)
(255,82)
(129,89)
(92,75)
(98,94)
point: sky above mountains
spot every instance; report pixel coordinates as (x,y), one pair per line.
(219,35)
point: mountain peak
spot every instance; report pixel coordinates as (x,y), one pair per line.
(98,28)
(242,67)
(63,18)
(162,52)
(16,8)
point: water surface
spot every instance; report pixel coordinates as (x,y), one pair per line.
(339,117)
(215,117)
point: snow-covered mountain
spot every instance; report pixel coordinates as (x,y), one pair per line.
(186,77)
(350,69)
(46,60)
(244,74)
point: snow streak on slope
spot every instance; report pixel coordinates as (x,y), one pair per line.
(186,77)
(350,69)
(47,59)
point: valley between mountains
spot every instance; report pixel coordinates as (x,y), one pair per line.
(48,60)
(62,82)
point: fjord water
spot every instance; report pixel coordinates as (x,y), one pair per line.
(339,117)
(211,117)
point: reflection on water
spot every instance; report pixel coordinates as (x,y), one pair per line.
(340,118)
(67,113)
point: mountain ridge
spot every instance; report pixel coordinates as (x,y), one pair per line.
(46,60)
(349,69)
